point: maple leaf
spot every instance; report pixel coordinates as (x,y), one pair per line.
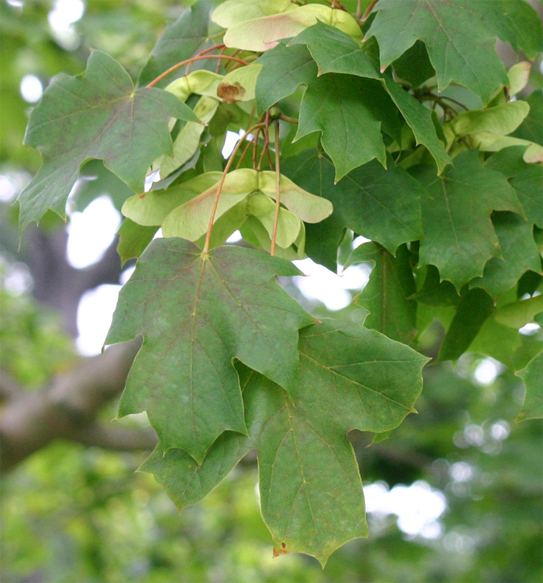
(382,205)
(460,37)
(97,114)
(386,294)
(196,313)
(349,378)
(311,493)
(459,236)
(181,39)
(532,407)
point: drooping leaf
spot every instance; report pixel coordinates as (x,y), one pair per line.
(97,114)
(531,128)
(459,36)
(458,234)
(435,292)
(532,407)
(133,239)
(283,70)
(386,295)
(336,52)
(186,36)
(188,139)
(350,112)
(349,377)
(196,313)
(414,65)
(525,178)
(474,308)
(186,481)
(518,314)
(382,205)
(520,254)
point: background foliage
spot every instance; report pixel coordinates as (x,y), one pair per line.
(75,513)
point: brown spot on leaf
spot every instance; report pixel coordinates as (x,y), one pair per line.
(282,551)
(230,93)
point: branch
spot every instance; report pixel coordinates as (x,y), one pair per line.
(67,408)
(116,438)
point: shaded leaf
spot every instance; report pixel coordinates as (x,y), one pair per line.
(186,481)
(97,114)
(531,128)
(460,37)
(386,295)
(196,313)
(382,205)
(336,52)
(414,65)
(474,308)
(435,292)
(349,111)
(459,236)
(520,254)
(283,70)
(349,377)
(186,36)
(525,178)
(532,407)
(133,239)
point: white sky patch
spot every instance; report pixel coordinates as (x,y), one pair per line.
(230,142)
(234,237)
(31,88)
(487,371)
(530,329)
(91,232)
(8,188)
(94,318)
(65,13)
(418,507)
(321,284)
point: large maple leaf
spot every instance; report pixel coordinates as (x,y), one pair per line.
(458,234)
(460,37)
(197,312)
(97,114)
(312,501)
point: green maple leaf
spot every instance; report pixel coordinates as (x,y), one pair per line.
(382,205)
(196,313)
(531,374)
(458,234)
(336,52)
(349,377)
(474,308)
(525,178)
(349,111)
(180,41)
(460,37)
(188,482)
(520,254)
(386,294)
(97,114)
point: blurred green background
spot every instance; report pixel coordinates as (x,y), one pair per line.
(77,514)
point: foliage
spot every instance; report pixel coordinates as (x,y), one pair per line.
(449,195)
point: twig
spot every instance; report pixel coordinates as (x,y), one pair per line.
(368,10)
(221,184)
(277,189)
(192,60)
(204,52)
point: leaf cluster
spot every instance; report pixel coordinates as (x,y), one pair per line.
(358,122)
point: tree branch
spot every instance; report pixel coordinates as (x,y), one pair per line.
(116,438)
(67,408)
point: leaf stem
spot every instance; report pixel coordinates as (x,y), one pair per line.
(277,189)
(368,10)
(204,52)
(192,60)
(221,184)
